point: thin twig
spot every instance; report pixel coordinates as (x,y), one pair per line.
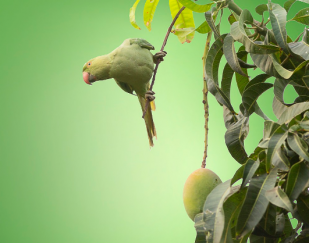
(205,100)
(159,60)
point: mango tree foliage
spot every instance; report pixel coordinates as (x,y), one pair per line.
(274,179)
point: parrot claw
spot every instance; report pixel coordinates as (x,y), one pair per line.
(159,55)
(150,95)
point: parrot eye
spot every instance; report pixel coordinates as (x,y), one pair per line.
(89,64)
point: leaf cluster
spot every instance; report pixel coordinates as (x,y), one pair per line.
(275,177)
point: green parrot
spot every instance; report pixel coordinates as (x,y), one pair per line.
(131,65)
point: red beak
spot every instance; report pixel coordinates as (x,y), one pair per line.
(86,77)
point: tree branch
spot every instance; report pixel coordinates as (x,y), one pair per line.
(159,60)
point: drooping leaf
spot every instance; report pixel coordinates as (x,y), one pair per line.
(298,145)
(230,54)
(277,16)
(303,208)
(132,15)
(242,80)
(249,170)
(184,21)
(252,93)
(149,10)
(293,111)
(212,63)
(275,142)
(281,161)
(288,4)
(297,181)
(278,197)
(238,175)
(227,76)
(211,23)
(255,203)
(214,213)
(234,139)
(195,7)
(231,209)
(278,107)
(265,63)
(279,87)
(301,48)
(229,117)
(260,9)
(203,28)
(302,16)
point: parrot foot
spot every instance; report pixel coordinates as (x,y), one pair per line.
(159,56)
(150,95)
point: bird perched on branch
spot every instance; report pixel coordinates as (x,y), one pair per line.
(131,65)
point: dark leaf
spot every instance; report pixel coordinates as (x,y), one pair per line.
(238,175)
(279,87)
(249,170)
(278,197)
(303,208)
(298,145)
(297,181)
(230,54)
(293,111)
(255,203)
(227,80)
(280,160)
(277,16)
(301,48)
(278,107)
(241,80)
(210,21)
(234,139)
(288,4)
(231,19)
(260,9)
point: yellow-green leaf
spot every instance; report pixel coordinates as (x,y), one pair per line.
(149,10)
(132,15)
(184,22)
(196,7)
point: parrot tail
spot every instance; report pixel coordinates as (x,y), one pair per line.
(151,130)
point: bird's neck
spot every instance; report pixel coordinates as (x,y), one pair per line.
(103,69)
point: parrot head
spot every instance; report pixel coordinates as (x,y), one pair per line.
(96,69)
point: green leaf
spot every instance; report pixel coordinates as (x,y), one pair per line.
(203,28)
(196,7)
(249,170)
(252,93)
(255,203)
(269,128)
(279,87)
(265,63)
(278,107)
(288,4)
(275,142)
(277,16)
(231,19)
(268,221)
(213,212)
(231,209)
(297,180)
(302,16)
(280,160)
(212,66)
(293,111)
(278,197)
(241,80)
(199,227)
(209,18)
(298,145)
(132,15)
(250,46)
(234,139)
(301,48)
(238,175)
(230,54)
(185,21)
(149,10)
(260,9)
(303,208)
(227,77)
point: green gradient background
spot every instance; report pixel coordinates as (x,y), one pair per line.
(75,161)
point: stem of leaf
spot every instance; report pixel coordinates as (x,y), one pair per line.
(205,100)
(159,60)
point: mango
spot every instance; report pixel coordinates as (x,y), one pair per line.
(197,187)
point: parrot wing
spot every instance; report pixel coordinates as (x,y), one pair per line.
(142,43)
(126,87)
